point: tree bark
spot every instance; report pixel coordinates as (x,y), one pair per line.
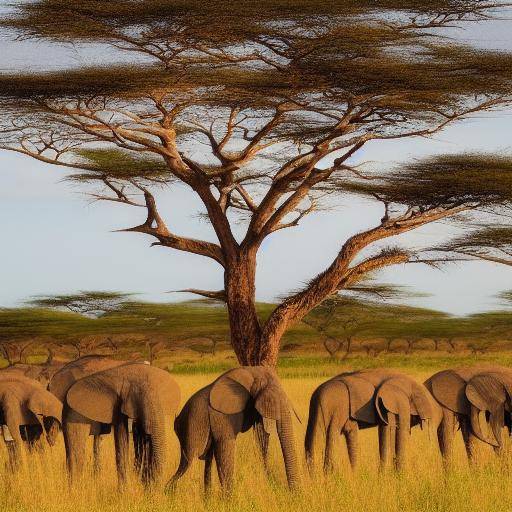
(244,324)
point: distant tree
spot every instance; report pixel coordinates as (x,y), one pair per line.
(88,303)
(15,351)
(338,320)
(261,110)
(93,305)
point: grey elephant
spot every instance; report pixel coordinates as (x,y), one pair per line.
(477,400)
(27,411)
(381,398)
(208,424)
(68,374)
(143,394)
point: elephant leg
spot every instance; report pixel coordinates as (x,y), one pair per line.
(351,432)
(121,447)
(75,440)
(224,450)
(14,454)
(470,440)
(330,444)
(141,451)
(262,441)
(386,444)
(208,461)
(445,435)
(402,434)
(32,434)
(96,450)
(184,465)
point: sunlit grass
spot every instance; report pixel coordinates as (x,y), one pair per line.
(41,484)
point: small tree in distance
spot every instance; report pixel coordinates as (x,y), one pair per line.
(90,304)
(261,110)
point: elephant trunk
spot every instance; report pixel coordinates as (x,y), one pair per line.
(403,433)
(286,439)
(153,462)
(478,425)
(497,421)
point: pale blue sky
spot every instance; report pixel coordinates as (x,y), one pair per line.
(53,240)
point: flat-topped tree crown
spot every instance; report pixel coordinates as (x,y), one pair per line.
(260,108)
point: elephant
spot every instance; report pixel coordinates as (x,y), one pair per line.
(63,379)
(241,398)
(27,410)
(143,394)
(477,400)
(348,402)
(41,373)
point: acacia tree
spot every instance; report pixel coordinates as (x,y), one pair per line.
(88,303)
(260,110)
(491,243)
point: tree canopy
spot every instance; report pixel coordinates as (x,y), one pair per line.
(261,109)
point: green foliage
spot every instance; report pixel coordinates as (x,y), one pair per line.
(490,237)
(185,331)
(94,303)
(445,181)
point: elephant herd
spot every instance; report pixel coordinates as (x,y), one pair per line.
(95,395)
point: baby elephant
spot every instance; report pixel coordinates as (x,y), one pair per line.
(144,394)
(27,410)
(239,399)
(384,398)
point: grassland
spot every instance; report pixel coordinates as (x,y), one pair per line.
(41,485)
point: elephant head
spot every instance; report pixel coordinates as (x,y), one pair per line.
(257,393)
(489,395)
(142,393)
(401,403)
(407,400)
(25,403)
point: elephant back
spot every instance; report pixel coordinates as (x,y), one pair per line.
(64,378)
(362,387)
(33,401)
(24,370)
(448,387)
(129,389)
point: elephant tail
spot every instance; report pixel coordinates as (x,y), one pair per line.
(182,469)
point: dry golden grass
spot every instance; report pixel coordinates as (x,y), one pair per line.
(41,485)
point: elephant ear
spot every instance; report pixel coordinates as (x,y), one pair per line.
(486,392)
(95,398)
(268,402)
(391,398)
(361,393)
(421,405)
(44,405)
(231,391)
(449,389)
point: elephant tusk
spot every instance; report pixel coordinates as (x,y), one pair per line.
(7,434)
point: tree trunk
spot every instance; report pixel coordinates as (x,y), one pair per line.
(244,324)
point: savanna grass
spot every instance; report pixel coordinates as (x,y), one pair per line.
(41,484)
